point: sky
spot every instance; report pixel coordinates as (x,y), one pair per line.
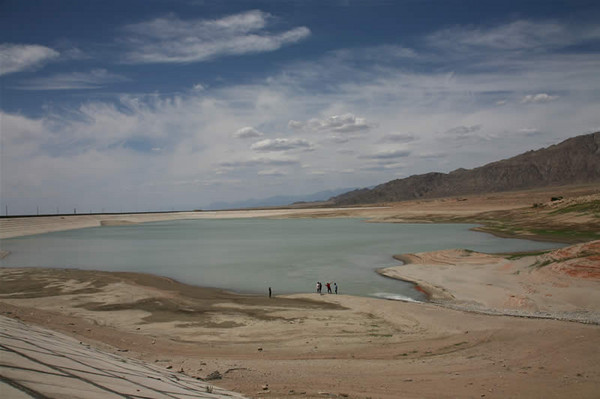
(147,105)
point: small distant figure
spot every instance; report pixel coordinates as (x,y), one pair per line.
(269,292)
(328,285)
(319,287)
(335,288)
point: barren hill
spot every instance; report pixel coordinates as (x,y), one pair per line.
(575,160)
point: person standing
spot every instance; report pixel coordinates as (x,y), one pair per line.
(335,287)
(328,285)
(319,286)
(269,292)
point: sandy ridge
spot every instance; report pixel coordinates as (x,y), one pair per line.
(561,284)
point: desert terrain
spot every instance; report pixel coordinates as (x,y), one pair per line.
(497,326)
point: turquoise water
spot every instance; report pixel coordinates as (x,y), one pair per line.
(249,255)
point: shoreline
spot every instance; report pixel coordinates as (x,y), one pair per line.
(503,214)
(437,295)
(21,226)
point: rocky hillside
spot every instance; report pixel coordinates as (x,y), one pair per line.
(576,160)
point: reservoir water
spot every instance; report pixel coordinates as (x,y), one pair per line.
(250,255)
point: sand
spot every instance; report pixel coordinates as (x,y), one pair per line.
(309,345)
(561,284)
(315,346)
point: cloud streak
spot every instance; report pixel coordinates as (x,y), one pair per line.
(538,98)
(247,133)
(517,35)
(346,123)
(22,57)
(273,145)
(170,39)
(73,81)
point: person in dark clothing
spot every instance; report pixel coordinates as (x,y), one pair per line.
(335,287)
(269,292)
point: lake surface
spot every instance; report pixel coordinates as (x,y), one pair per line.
(250,255)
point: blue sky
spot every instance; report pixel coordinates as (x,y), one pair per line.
(150,105)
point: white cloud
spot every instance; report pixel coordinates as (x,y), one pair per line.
(73,81)
(346,123)
(199,87)
(538,98)
(247,133)
(463,132)
(269,145)
(529,131)
(22,57)
(170,39)
(296,125)
(517,35)
(271,172)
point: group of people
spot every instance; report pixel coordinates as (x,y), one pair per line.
(319,288)
(328,285)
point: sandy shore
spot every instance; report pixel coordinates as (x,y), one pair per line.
(315,346)
(309,345)
(561,284)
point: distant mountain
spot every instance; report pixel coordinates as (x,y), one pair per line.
(576,160)
(279,200)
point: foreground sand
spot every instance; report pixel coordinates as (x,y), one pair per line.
(309,345)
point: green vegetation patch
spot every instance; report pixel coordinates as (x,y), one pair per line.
(567,233)
(588,207)
(539,264)
(519,255)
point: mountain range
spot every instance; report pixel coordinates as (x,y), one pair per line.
(279,200)
(575,160)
